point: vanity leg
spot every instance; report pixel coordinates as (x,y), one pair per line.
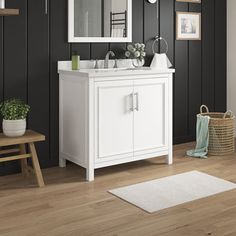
(169,158)
(89,174)
(62,162)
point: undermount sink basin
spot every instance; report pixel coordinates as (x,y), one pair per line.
(140,68)
(122,64)
(110,69)
(120,69)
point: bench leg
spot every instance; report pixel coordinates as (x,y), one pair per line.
(36,165)
(24,163)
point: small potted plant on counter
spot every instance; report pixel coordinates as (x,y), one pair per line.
(137,53)
(14,113)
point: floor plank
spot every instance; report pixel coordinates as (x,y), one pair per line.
(69,206)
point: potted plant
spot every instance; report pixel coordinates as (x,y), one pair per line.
(137,52)
(14,113)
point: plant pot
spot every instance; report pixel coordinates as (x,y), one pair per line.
(2,4)
(14,128)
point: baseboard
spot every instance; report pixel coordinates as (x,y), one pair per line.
(184,139)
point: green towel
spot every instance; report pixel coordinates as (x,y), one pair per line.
(201,148)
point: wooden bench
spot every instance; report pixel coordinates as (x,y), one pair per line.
(20,143)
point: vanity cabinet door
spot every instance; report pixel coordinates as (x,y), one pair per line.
(113,121)
(150,116)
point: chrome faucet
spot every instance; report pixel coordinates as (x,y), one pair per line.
(106,62)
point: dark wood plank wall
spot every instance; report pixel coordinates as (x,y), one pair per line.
(32,43)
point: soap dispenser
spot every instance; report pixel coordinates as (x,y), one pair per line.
(75,61)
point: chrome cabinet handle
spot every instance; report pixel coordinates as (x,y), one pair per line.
(132,101)
(46,7)
(137,101)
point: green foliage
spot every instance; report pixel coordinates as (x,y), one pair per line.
(14,109)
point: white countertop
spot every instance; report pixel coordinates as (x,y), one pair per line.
(102,73)
(65,68)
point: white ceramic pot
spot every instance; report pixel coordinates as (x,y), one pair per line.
(2,4)
(14,128)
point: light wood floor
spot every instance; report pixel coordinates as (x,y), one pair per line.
(70,206)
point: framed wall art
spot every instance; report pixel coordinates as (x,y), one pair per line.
(188,26)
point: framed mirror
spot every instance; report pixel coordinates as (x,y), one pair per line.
(100,21)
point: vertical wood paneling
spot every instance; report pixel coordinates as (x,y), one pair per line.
(150,28)
(15,60)
(32,43)
(195,78)
(167,15)
(2,165)
(118,49)
(137,21)
(15,52)
(58,39)
(83,49)
(1,61)
(220,54)
(181,84)
(208,53)
(38,74)
(99,50)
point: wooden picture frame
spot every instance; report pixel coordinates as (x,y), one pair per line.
(188,25)
(190,1)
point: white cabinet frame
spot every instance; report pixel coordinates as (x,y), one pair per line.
(79,121)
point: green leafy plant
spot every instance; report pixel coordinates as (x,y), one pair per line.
(14,109)
(136,51)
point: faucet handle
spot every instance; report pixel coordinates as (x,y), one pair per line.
(116,63)
(96,65)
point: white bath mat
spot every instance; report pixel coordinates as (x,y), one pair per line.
(171,191)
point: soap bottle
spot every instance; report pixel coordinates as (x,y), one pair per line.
(75,61)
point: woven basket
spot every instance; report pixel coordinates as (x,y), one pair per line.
(221,132)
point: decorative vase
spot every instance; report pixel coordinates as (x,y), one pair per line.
(14,128)
(137,63)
